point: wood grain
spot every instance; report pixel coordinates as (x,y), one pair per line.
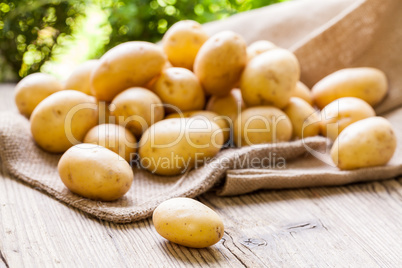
(352,226)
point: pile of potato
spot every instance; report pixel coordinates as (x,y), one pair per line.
(179,104)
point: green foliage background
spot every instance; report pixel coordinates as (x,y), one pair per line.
(33,32)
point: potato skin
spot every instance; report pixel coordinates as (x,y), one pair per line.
(80,78)
(304,118)
(179,87)
(342,112)
(127,65)
(366,143)
(33,89)
(187,222)
(95,172)
(173,146)
(50,123)
(137,109)
(220,61)
(230,105)
(303,92)
(113,137)
(221,121)
(182,42)
(104,113)
(259,47)
(270,78)
(368,84)
(254,126)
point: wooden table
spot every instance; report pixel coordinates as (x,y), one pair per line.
(358,225)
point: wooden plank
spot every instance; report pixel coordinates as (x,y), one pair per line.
(341,226)
(36,230)
(357,225)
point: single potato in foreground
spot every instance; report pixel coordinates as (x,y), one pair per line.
(263,124)
(366,143)
(220,61)
(95,172)
(188,222)
(62,120)
(270,78)
(33,89)
(113,137)
(368,84)
(173,146)
(342,112)
(127,65)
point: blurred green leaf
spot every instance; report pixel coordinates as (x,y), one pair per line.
(36,34)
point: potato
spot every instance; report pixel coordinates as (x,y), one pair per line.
(304,118)
(104,113)
(263,124)
(95,172)
(342,112)
(221,121)
(62,120)
(220,61)
(187,222)
(137,109)
(113,137)
(365,143)
(259,47)
(173,146)
(33,89)
(150,84)
(303,92)
(270,78)
(167,65)
(230,105)
(80,78)
(180,88)
(127,65)
(368,84)
(182,42)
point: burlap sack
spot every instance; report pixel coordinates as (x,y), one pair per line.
(326,36)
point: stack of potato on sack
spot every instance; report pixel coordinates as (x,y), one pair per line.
(184,102)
